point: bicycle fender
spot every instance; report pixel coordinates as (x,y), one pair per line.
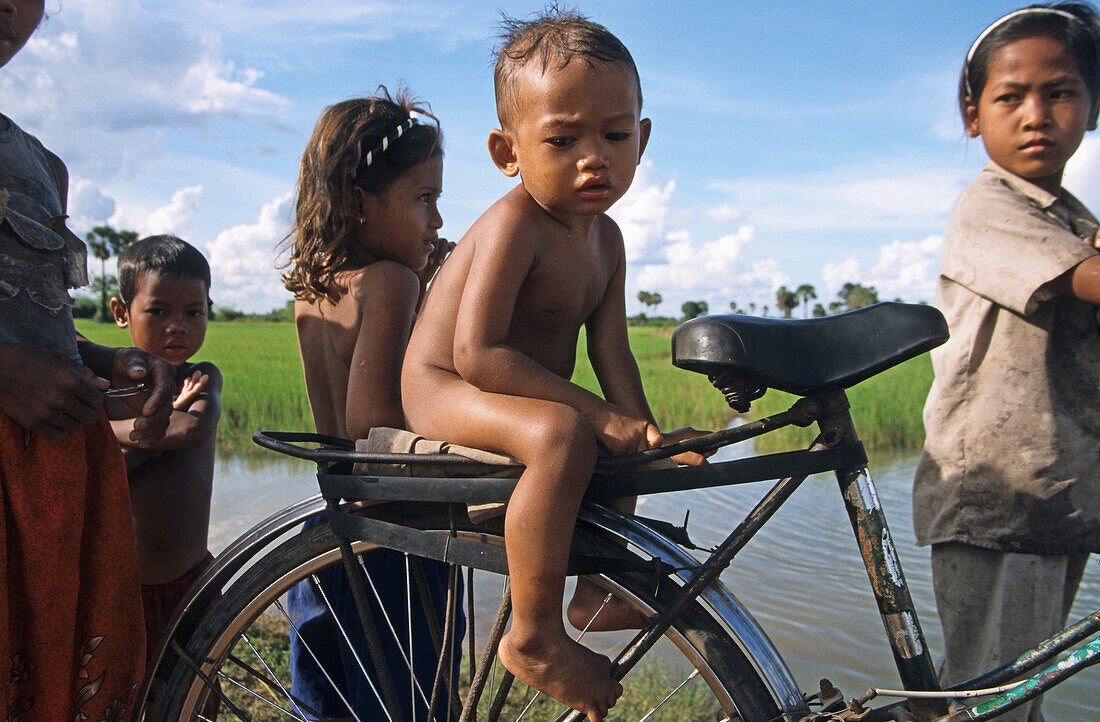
(744,629)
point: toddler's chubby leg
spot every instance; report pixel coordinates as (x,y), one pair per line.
(591,610)
(558,449)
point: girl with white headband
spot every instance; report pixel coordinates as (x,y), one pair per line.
(1007,490)
(364,245)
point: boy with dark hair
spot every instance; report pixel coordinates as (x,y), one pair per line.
(489,360)
(164,285)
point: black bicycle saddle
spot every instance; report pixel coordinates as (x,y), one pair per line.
(801,356)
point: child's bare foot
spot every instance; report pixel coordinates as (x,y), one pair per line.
(567,671)
(616,614)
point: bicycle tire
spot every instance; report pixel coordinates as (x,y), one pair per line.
(734,689)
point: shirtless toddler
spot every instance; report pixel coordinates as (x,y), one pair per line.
(490,358)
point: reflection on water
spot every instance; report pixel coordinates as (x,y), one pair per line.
(802,576)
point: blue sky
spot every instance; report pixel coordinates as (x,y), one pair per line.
(793,142)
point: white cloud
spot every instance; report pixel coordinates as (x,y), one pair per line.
(713,271)
(860,198)
(643,212)
(103,80)
(444,22)
(178,217)
(88,207)
(210,86)
(725,214)
(905,270)
(1082,175)
(835,275)
(242,260)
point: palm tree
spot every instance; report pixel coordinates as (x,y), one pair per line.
(785,301)
(104,242)
(807,293)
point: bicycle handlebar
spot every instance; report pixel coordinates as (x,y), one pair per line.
(801,413)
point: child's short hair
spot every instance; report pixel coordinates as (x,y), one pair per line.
(1074,24)
(346,151)
(162,254)
(555,37)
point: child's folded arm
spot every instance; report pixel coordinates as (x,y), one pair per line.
(616,368)
(1082,281)
(375,370)
(128,366)
(187,428)
(503,259)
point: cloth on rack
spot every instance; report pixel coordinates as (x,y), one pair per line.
(399,441)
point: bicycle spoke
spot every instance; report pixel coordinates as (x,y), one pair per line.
(389,624)
(415,686)
(264,680)
(500,697)
(650,713)
(302,641)
(252,693)
(257,605)
(273,675)
(533,698)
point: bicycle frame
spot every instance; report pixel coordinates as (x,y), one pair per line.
(837,449)
(891,592)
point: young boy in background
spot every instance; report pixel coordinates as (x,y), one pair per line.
(490,358)
(164,302)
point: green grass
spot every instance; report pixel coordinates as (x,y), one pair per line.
(270,636)
(264,387)
(676,397)
(886,410)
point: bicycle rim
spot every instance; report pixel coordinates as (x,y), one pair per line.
(695,672)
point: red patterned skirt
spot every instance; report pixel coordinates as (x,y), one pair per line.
(72,635)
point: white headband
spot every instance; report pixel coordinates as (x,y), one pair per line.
(415,119)
(997,24)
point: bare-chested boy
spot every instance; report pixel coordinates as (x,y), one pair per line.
(490,358)
(164,287)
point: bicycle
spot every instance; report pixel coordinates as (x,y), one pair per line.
(727,660)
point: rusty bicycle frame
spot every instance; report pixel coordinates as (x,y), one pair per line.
(837,449)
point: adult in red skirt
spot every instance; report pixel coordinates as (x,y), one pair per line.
(72,641)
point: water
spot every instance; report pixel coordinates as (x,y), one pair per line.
(802,576)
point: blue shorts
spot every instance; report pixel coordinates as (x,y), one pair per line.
(317,636)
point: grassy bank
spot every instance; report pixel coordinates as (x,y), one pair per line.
(264,388)
(886,409)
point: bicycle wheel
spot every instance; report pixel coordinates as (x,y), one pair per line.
(697,671)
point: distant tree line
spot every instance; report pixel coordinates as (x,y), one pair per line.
(850,297)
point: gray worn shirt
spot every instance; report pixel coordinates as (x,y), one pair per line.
(1012,456)
(40,259)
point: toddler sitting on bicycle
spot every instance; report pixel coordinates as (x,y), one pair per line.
(163,301)
(490,358)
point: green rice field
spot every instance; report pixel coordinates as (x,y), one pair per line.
(264,387)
